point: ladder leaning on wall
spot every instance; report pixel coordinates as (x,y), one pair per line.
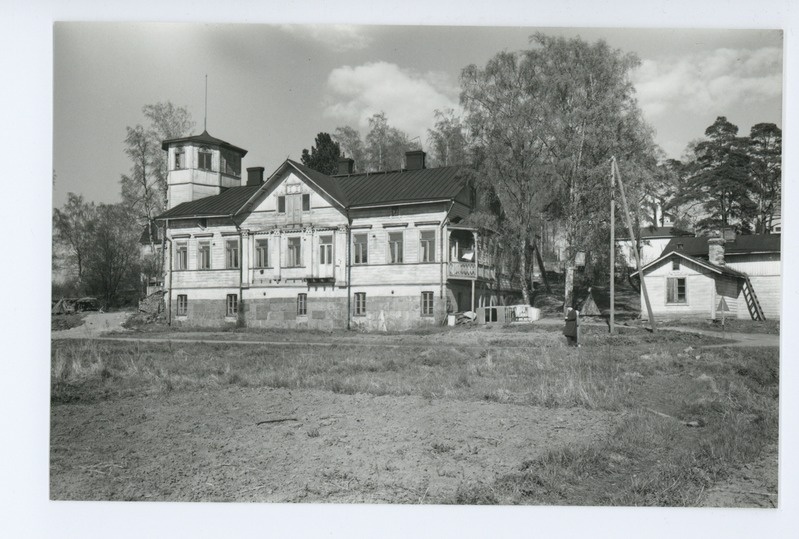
(752,303)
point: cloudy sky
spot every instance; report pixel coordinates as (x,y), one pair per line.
(272,88)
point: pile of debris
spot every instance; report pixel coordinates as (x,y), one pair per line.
(457,319)
(74,305)
(151,308)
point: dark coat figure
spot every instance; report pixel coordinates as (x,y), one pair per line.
(572,329)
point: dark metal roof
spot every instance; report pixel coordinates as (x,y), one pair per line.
(204,138)
(745,244)
(402,186)
(221,205)
(355,190)
(668,253)
(325,182)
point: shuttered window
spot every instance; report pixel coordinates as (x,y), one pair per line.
(676,290)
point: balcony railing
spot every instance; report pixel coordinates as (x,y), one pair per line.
(471,270)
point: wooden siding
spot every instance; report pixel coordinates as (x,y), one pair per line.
(704,289)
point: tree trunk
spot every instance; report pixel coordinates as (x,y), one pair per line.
(568,296)
(523,270)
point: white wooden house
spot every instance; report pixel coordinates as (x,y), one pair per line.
(693,275)
(304,249)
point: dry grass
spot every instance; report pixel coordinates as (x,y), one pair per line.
(550,376)
(651,459)
(655,460)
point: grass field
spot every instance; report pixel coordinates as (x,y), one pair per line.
(675,419)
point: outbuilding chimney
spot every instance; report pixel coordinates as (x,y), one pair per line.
(345,165)
(715,251)
(255,175)
(414,160)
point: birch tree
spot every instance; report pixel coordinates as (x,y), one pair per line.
(548,120)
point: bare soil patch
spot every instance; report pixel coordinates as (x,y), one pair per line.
(205,445)
(501,417)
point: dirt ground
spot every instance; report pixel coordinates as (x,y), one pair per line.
(331,448)
(94,324)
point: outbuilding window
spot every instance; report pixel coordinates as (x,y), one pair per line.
(676,290)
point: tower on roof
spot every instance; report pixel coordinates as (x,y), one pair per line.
(200,166)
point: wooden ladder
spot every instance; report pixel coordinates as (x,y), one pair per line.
(752,303)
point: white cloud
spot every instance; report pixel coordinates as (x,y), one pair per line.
(336,37)
(717,80)
(408,98)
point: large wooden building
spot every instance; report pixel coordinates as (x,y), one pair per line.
(304,249)
(693,275)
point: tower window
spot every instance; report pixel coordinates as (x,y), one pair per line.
(179,164)
(204,160)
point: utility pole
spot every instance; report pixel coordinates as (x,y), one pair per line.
(615,168)
(612,250)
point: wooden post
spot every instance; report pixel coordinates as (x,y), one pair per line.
(612,251)
(632,237)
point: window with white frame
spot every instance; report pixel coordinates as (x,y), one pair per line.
(360,248)
(427,247)
(183,304)
(676,290)
(232,254)
(181,256)
(325,250)
(427,304)
(294,253)
(262,253)
(302,304)
(395,247)
(204,255)
(232,304)
(360,304)
(179,162)
(204,159)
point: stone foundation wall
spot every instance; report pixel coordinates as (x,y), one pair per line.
(321,313)
(203,313)
(398,313)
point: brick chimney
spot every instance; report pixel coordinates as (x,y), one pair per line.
(715,251)
(345,165)
(414,160)
(255,175)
